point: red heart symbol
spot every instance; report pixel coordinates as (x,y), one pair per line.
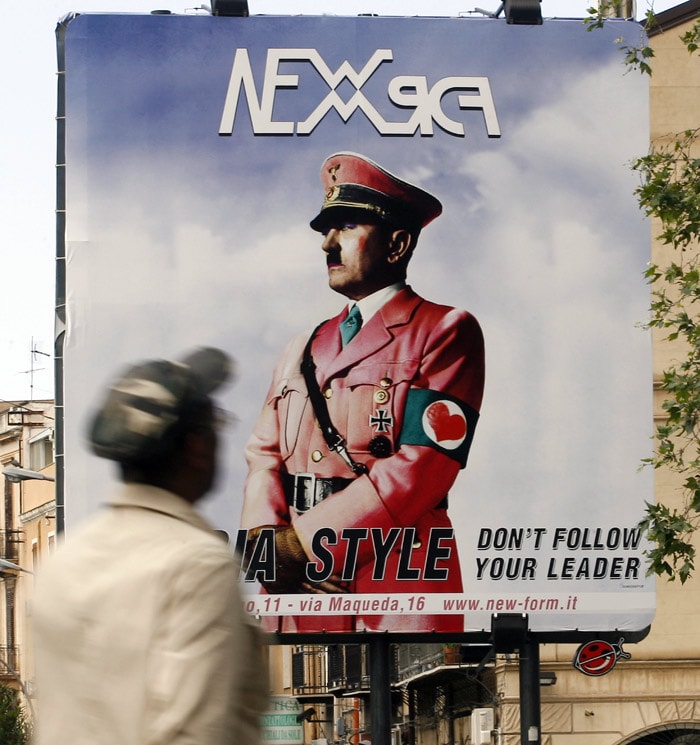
(445,425)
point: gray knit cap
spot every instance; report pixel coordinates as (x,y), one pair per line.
(146,405)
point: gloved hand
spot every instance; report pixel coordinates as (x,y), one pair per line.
(290,564)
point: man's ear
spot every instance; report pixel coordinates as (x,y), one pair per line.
(400,243)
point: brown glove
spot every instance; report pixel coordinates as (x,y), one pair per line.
(290,564)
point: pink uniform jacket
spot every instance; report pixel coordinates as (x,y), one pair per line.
(413,376)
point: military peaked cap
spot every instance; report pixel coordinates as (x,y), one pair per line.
(357,188)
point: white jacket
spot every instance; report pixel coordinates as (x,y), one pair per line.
(140,633)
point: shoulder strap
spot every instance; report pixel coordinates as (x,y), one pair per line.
(330,434)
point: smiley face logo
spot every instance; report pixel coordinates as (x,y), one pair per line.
(598,657)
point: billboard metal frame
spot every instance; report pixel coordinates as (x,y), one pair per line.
(475,637)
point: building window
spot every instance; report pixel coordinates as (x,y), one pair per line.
(35,555)
(40,453)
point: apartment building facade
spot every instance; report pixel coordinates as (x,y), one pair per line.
(27,531)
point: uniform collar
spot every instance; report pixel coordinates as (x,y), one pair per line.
(153,498)
(330,359)
(372,303)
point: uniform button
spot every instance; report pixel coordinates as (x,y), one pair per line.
(316,456)
(327,393)
(381,396)
(385,382)
(417,543)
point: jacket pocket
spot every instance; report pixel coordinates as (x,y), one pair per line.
(377,396)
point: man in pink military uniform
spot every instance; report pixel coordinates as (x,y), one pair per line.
(361,437)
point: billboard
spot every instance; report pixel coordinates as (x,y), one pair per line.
(196,155)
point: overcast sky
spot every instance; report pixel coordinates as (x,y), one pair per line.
(27,154)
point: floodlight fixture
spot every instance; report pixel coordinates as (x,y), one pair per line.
(524,12)
(508,631)
(237,8)
(306,715)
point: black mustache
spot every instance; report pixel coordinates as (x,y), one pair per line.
(333,256)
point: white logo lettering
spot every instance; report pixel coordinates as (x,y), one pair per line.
(405,92)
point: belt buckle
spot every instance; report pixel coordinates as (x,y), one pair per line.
(304,491)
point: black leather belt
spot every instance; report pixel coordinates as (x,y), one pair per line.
(305,490)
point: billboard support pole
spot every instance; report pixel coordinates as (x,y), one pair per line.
(380,692)
(530,714)
(510,633)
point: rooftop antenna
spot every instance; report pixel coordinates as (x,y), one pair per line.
(33,355)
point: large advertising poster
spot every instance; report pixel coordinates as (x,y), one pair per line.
(235,182)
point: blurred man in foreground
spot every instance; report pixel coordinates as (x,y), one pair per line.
(141,637)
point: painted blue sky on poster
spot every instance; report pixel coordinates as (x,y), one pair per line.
(185,237)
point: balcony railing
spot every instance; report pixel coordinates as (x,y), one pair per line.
(9,663)
(309,670)
(414,659)
(344,668)
(10,541)
(333,668)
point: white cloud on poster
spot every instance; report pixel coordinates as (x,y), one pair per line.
(563,343)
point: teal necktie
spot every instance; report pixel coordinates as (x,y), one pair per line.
(351,325)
